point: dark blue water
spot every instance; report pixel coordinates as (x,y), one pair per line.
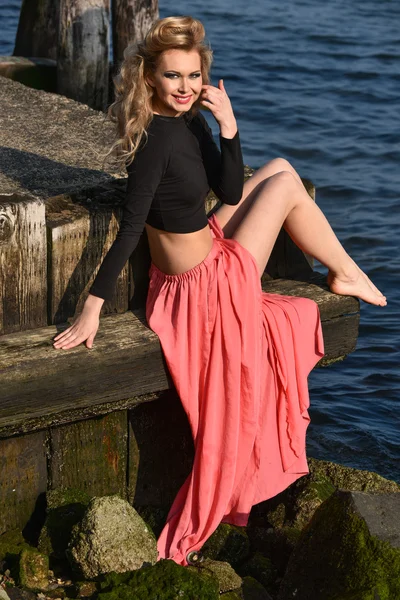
(319,84)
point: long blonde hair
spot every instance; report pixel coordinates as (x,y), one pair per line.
(132,109)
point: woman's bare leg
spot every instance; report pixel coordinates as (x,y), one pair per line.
(282,200)
(229,217)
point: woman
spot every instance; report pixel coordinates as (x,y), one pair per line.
(239,357)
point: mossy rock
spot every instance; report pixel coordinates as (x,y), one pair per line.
(165,580)
(33,570)
(154,516)
(228,543)
(341,557)
(295,506)
(234,595)
(253,590)
(226,576)
(65,508)
(261,568)
(11,545)
(355,480)
(275,544)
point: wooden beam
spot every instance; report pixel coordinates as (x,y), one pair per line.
(23,469)
(42,386)
(22,262)
(82,64)
(90,455)
(37,34)
(131,20)
(80,232)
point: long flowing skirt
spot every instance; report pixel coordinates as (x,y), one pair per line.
(239,359)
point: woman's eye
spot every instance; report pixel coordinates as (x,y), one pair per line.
(170,75)
(195,75)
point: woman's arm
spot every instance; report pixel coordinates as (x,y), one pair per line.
(144,175)
(225,169)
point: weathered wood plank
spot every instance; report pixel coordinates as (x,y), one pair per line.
(22,263)
(130,22)
(37,33)
(126,361)
(90,455)
(80,231)
(41,385)
(23,478)
(161,451)
(83,47)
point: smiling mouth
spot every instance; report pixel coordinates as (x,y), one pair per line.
(182,98)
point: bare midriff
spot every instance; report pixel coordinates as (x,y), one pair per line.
(175,253)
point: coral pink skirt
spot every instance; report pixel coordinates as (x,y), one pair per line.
(239,359)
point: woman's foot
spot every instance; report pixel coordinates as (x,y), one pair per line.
(356,283)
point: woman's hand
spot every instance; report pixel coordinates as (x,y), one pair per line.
(84,328)
(217,100)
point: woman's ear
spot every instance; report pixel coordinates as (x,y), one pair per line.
(149,80)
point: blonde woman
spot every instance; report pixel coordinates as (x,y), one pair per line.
(239,357)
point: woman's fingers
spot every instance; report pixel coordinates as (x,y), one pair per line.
(62,334)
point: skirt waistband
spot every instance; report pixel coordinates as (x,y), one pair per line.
(155,271)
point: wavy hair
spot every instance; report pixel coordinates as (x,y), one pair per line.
(132,108)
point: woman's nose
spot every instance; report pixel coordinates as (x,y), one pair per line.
(184,85)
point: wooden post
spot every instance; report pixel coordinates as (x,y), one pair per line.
(131,20)
(82,67)
(37,32)
(23,262)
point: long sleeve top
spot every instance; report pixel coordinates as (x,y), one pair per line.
(168,181)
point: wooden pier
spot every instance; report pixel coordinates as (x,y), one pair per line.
(105,420)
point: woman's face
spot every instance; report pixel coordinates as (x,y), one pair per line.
(177,82)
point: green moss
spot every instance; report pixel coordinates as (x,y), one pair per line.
(253,590)
(33,569)
(338,558)
(347,478)
(65,508)
(228,543)
(226,576)
(261,568)
(11,544)
(163,581)
(234,595)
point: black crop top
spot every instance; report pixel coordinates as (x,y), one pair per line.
(168,182)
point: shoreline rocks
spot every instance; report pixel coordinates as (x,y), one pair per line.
(333,534)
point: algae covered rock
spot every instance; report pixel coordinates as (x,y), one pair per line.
(33,570)
(228,543)
(65,508)
(253,590)
(349,551)
(235,595)
(226,576)
(295,506)
(11,544)
(261,568)
(110,537)
(165,580)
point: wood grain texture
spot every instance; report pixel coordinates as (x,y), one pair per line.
(131,19)
(23,285)
(83,48)
(37,33)
(23,478)
(42,386)
(80,233)
(161,450)
(90,455)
